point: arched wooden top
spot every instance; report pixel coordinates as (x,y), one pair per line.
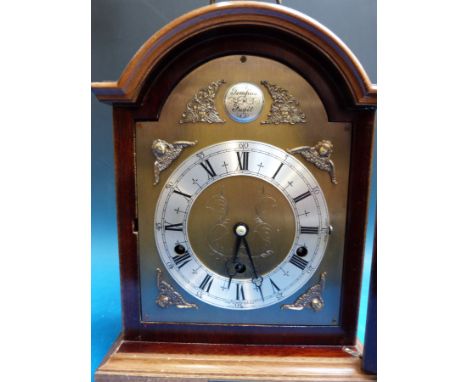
(127,88)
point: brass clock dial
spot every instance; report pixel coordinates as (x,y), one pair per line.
(230,225)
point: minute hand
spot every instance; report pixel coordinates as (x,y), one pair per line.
(256,280)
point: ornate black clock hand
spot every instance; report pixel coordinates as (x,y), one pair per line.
(257,280)
(232,266)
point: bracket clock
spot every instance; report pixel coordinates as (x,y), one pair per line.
(243,139)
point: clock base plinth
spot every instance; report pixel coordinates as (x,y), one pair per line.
(133,361)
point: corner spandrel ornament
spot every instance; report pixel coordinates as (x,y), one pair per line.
(165,153)
(169,296)
(312,298)
(319,155)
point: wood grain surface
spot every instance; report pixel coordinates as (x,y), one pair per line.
(221,363)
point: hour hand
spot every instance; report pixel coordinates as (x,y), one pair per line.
(231,263)
(233,267)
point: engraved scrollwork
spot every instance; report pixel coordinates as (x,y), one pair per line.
(319,155)
(168,296)
(312,298)
(202,106)
(265,206)
(284,108)
(218,209)
(165,153)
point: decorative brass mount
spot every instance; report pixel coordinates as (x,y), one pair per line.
(319,155)
(165,153)
(312,298)
(168,295)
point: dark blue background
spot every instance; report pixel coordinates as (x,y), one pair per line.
(119,28)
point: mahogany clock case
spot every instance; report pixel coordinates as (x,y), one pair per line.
(139,98)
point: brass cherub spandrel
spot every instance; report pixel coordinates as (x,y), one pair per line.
(165,153)
(168,296)
(319,155)
(312,298)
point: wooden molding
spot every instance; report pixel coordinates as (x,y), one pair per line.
(127,89)
(180,362)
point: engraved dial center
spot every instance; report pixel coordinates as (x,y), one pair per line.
(253,209)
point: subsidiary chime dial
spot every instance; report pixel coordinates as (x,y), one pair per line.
(241,225)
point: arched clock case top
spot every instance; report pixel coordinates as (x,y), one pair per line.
(242,24)
(262,30)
